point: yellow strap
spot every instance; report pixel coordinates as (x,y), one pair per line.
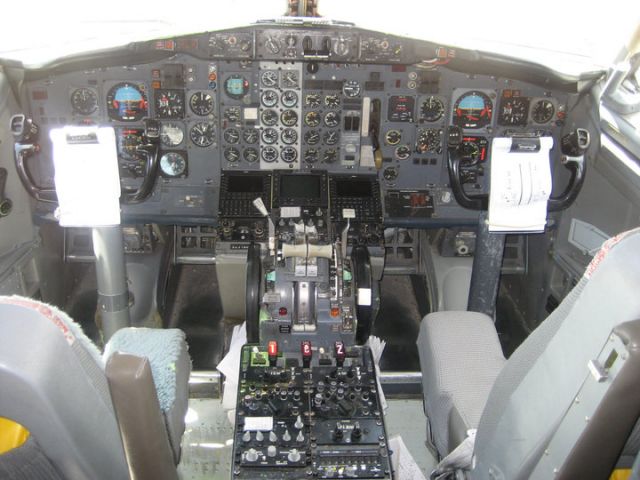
(621,474)
(12,435)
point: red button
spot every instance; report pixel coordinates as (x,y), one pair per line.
(272,348)
(282,311)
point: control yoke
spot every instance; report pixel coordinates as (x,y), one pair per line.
(25,133)
(461,161)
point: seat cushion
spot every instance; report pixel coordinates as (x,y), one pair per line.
(460,358)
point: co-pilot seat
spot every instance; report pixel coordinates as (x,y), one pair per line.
(112,416)
(552,400)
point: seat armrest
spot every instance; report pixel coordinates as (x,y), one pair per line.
(142,427)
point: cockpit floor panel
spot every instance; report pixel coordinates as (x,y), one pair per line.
(398,323)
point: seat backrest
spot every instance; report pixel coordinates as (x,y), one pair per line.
(540,381)
(52,382)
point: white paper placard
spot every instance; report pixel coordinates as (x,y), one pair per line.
(520,187)
(264,424)
(86,176)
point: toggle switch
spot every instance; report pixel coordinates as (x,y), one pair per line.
(259,436)
(247,436)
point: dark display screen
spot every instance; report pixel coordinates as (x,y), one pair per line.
(245,183)
(353,188)
(300,186)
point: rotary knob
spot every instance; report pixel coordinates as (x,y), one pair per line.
(251,455)
(272,451)
(294,455)
(298,423)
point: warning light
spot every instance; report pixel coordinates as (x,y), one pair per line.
(282,311)
(335,311)
(213,76)
(272,350)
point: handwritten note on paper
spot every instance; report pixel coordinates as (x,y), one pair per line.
(520,185)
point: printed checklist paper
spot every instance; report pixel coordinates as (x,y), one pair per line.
(520,186)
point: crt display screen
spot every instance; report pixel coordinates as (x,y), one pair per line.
(300,186)
(244,183)
(353,188)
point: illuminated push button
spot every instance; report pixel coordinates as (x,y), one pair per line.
(272,350)
(305,348)
(335,311)
(340,353)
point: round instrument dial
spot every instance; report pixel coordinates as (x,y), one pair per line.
(269,154)
(173,164)
(429,140)
(269,117)
(269,136)
(289,99)
(201,103)
(332,101)
(393,137)
(84,101)
(250,155)
(232,114)
(311,155)
(289,136)
(311,137)
(403,152)
(203,134)
(169,103)
(126,102)
(351,88)
(289,154)
(330,137)
(231,154)
(269,98)
(472,110)
(431,109)
(236,86)
(269,78)
(542,111)
(289,118)
(330,155)
(171,134)
(312,118)
(272,44)
(250,135)
(231,135)
(390,174)
(289,79)
(312,100)
(332,119)
(513,111)
(127,142)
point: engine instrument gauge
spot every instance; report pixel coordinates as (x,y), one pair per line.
(269,135)
(169,103)
(171,134)
(311,137)
(127,141)
(330,155)
(311,155)
(401,108)
(231,135)
(250,135)
(201,103)
(513,110)
(431,109)
(173,164)
(472,110)
(393,137)
(289,79)
(312,100)
(203,134)
(332,119)
(351,88)
(289,136)
(236,86)
(330,137)
(231,154)
(84,101)
(269,117)
(269,154)
(473,150)
(232,114)
(542,111)
(390,174)
(269,98)
(332,101)
(269,78)
(403,152)
(289,154)
(126,102)
(289,99)
(250,155)
(312,118)
(289,118)
(429,140)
